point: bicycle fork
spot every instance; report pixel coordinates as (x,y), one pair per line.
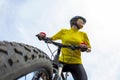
(60,71)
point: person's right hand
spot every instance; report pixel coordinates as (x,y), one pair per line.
(42,34)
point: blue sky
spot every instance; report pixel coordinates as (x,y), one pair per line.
(20,20)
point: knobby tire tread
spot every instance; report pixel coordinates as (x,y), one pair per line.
(18,59)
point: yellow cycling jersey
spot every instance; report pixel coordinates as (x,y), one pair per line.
(71,37)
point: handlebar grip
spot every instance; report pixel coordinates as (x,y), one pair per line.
(36,35)
(40,38)
(83,49)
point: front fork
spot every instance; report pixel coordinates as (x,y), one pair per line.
(59,72)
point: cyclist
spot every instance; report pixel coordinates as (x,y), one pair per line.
(72,58)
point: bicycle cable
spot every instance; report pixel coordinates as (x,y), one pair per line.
(51,51)
(63,54)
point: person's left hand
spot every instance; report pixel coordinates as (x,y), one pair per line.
(83,47)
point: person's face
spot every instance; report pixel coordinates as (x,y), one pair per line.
(80,23)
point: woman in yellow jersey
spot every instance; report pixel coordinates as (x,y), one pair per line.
(72,58)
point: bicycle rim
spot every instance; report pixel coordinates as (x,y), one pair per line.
(42,74)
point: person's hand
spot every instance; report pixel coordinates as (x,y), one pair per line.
(88,50)
(42,34)
(83,47)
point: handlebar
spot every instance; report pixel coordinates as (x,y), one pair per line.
(73,47)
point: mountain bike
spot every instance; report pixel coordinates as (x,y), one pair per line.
(18,59)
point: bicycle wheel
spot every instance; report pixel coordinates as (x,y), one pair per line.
(18,59)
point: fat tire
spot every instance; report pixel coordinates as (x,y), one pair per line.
(18,59)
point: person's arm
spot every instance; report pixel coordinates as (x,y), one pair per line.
(58,35)
(86,39)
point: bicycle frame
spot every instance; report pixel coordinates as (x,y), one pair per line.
(57,68)
(60,66)
(58,71)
